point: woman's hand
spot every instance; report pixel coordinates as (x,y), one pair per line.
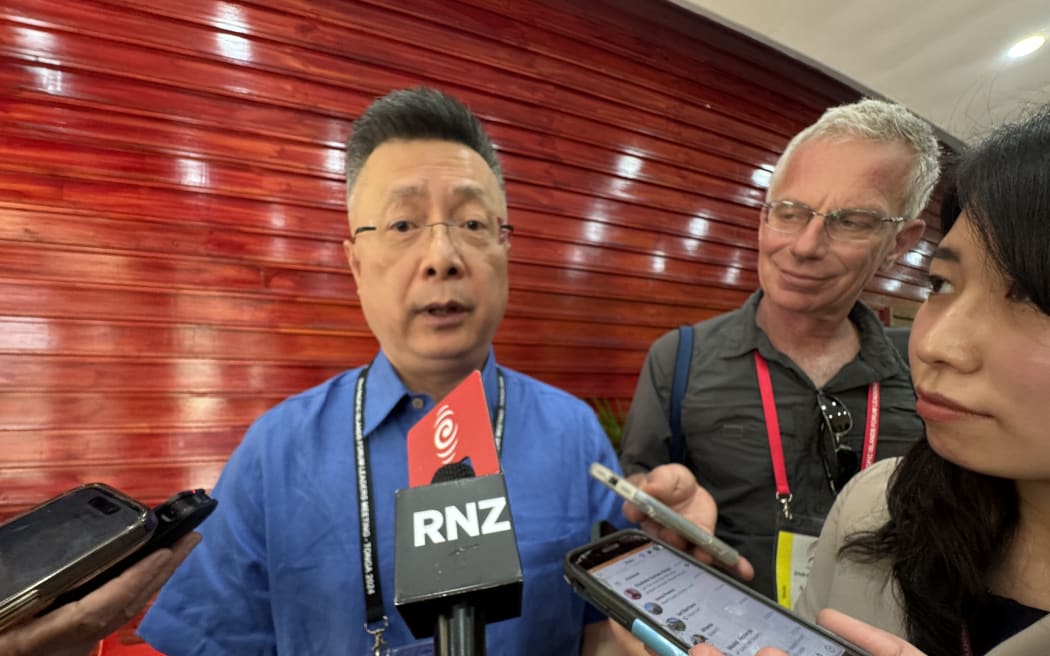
(874,641)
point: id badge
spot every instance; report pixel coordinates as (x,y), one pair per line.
(420,648)
(793,555)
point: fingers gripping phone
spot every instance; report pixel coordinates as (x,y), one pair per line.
(176,517)
(672,602)
(63,542)
(722,552)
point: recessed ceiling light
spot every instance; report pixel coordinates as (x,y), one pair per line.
(1026,46)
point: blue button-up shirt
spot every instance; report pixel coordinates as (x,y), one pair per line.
(279,568)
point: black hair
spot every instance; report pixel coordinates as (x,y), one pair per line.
(417,113)
(948,526)
(1005,189)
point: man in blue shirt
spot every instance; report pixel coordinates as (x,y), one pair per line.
(279,570)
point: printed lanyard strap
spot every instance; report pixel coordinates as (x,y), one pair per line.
(776,447)
(375,620)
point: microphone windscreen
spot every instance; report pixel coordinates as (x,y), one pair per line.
(453,471)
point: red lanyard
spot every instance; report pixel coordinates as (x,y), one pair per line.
(776,448)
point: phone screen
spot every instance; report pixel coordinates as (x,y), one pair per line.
(59,533)
(697,606)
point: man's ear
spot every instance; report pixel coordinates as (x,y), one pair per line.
(351,259)
(904,241)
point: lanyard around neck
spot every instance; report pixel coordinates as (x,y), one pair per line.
(369,553)
(776,447)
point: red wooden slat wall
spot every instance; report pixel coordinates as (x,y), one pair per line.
(171,204)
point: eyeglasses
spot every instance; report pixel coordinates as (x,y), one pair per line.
(475,233)
(840,460)
(848,224)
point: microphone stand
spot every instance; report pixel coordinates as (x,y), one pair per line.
(460,631)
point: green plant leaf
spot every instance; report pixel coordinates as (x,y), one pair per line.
(611,415)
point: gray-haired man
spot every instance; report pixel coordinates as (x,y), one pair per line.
(793,393)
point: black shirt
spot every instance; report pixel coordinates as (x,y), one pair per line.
(1000,618)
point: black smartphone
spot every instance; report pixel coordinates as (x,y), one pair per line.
(175,518)
(63,542)
(672,601)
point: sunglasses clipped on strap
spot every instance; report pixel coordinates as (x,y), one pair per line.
(840,461)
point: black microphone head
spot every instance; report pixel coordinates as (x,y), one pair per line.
(454,544)
(453,471)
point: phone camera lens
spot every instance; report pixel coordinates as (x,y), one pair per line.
(103,505)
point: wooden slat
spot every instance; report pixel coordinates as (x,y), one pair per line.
(86,125)
(136,167)
(30,411)
(94,196)
(24,298)
(40,81)
(38,448)
(82,337)
(55,228)
(28,374)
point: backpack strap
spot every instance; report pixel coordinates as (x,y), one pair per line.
(681,379)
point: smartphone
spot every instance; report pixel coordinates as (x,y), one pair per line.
(722,552)
(175,518)
(63,542)
(672,601)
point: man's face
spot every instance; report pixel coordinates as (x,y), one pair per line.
(434,304)
(808,272)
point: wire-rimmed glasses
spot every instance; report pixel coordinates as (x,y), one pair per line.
(847,224)
(476,233)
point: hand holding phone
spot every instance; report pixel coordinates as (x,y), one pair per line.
(672,602)
(76,629)
(659,512)
(63,542)
(75,543)
(176,517)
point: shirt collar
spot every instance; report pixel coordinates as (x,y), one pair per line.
(385,393)
(875,349)
(747,338)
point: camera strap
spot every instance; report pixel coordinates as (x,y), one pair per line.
(376,621)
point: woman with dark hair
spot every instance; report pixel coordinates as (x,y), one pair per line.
(949,546)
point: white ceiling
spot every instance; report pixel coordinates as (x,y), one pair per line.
(945,59)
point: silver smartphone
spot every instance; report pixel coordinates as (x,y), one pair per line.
(672,602)
(64,542)
(722,552)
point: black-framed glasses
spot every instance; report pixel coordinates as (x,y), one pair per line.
(475,233)
(848,224)
(841,462)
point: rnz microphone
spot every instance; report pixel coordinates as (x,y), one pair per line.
(456,563)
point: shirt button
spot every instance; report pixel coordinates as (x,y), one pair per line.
(417,403)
